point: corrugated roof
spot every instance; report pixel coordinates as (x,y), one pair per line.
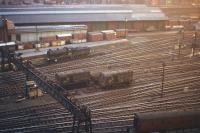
(69,7)
(65,12)
(148,16)
(49,28)
(81,13)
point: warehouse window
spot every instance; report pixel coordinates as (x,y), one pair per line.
(18,37)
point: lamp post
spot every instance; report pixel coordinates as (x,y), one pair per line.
(37,47)
(126,20)
(163,78)
(179,45)
(194,43)
(180,40)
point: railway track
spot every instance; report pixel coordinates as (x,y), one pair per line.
(144,95)
(112,110)
(40,116)
(11,84)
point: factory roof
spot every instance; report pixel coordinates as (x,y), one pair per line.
(7,44)
(80,13)
(47,28)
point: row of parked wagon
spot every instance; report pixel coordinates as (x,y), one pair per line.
(76,37)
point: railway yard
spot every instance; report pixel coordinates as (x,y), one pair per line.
(165,79)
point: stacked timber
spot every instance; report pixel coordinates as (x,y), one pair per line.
(20,47)
(115,78)
(54,43)
(64,38)
(45,45)
(95,36)
(24,46)
(73,78)
(79,37)
(27,46)
(121,33)
(60,42)
(109,34)
(47,41)
(37,45)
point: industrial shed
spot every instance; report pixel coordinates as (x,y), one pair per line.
(96,17)
(34,33)
(28,37)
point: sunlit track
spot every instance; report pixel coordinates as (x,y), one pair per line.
(118,59)
(35,117)
(151,103)
(119,53)
(124,98)
(118,48)
(151,90)
(115,51)
(112,110)
(115,59)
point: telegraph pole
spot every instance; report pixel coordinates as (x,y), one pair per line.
(180,40)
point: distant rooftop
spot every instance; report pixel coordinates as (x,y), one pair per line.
(80,13)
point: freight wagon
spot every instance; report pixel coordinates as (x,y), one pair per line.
(106,79)
(79,37)
(73,78)
(121,33)
(183,122)
(95,36)
(114,78)
(109,34)
(73,38)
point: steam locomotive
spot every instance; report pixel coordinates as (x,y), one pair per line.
(67,53)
